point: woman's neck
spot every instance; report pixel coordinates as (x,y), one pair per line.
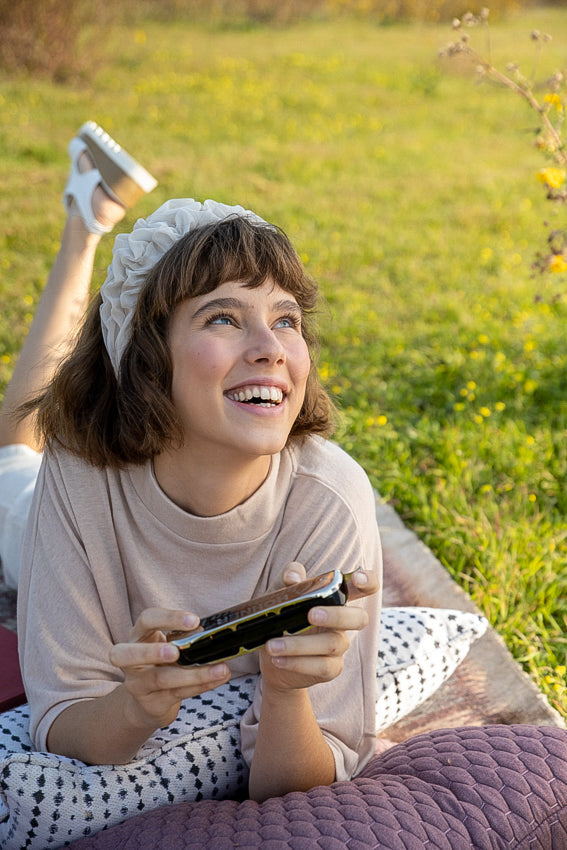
(212,489)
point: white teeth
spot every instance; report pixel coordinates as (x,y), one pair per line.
(273,395)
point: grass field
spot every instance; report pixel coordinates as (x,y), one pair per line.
(410,192)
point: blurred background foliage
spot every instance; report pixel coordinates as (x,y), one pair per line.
(59,38)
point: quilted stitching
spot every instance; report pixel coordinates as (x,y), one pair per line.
(487,788)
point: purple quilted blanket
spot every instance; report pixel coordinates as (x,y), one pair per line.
(487,788)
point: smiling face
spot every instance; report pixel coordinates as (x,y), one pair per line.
(240,368)
(194,372)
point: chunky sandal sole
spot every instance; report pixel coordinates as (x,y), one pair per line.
(122,177)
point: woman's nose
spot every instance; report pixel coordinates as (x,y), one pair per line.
(264,344)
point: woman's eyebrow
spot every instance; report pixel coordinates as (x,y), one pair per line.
(284,304)
(219,304)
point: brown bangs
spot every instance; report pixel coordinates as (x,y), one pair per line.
(234,249)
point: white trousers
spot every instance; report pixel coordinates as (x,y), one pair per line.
(19,466)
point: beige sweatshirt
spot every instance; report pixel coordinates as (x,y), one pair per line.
(103,545)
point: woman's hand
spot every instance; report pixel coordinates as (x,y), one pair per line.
(111,729)
(155,684)
(299,661)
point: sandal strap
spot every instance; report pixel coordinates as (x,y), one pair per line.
(80,188)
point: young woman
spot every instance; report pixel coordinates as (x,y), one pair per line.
(186,469)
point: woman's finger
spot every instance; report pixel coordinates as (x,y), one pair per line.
(142,654)
(315,643)
(155,620)
(318,668)
(362,583)
(293,573)
(340,617)
(180,680)
(204,679)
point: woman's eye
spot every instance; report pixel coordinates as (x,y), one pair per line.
(221,319)
(289,322)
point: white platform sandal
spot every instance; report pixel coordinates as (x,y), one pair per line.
(124,179)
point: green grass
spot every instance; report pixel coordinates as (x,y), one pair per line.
(411,193)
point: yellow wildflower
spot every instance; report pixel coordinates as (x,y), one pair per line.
(485,411)
(554,100)
(552,176)
(557,264)
(382,420)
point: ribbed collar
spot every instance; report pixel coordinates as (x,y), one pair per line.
(248,521)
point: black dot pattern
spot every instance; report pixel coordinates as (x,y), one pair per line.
(48,801)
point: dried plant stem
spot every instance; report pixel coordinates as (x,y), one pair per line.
(560,154)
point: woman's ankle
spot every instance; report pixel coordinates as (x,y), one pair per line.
(76,237)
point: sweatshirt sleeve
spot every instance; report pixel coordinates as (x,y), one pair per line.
(64,638)
(335,520)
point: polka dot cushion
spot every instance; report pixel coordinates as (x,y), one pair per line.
(419,649)
(47,801)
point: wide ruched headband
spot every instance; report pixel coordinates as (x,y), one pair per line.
(136,253)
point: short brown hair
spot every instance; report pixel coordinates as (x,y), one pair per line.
(112,421)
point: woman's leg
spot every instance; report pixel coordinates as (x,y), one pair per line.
(58,315)
(92,211)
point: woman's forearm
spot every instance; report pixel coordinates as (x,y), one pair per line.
(291,753)
(105,730)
